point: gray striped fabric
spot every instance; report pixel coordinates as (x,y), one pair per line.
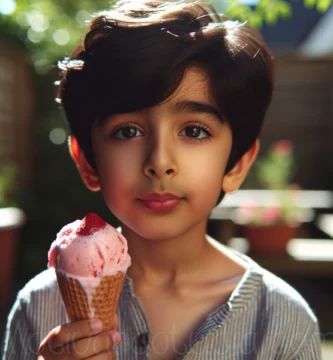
(264,319)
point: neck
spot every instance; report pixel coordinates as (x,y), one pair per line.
(167,261)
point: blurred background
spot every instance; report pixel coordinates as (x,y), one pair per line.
(292,185)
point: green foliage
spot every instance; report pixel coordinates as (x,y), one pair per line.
(321,5)
(53,28)
(268,11)
(8,186)
(50,29)
(11,32)
(274,171)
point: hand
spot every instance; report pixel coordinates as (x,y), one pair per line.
(80,340)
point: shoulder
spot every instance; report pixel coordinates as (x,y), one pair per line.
(273,293)
(43,284)
(283,299)
(289,319)
(40,301)
(283,317)
(38,309)
(277,316)
(267,293)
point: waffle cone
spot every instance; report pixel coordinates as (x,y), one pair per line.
(104,302)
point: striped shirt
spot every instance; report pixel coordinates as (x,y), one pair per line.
(264,319)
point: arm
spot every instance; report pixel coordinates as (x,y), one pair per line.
(311,349)
(19,341)
(73,340)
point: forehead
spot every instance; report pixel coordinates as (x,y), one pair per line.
(194,86)
(193,95)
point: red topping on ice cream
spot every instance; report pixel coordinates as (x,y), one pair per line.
(89,248)
(90,224)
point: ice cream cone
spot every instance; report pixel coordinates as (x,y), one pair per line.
(104,301)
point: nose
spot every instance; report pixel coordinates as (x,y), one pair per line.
(161,158)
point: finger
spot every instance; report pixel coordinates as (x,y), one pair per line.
(115,322)
(87,347)
(70,332)
(47,352)
(107,355)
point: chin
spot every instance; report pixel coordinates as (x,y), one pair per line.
(157,232)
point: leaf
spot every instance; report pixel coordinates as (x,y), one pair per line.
(255,20)
(271,17)
(309,3)
(285,10)
(237,11)
(323,5)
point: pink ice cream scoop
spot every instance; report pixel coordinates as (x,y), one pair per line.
(91,259)
(89,248)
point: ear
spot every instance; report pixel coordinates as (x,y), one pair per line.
(87,172)
(234,178)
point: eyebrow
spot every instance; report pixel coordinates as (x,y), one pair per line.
(198,107)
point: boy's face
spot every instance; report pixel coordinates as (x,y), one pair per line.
(180,147)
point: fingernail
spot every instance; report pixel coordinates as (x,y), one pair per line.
(96,325)
(115,337)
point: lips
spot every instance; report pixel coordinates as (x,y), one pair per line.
(159,197)
(160,202)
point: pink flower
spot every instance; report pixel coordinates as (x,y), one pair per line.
(295,187)
(283,147)
(247,212)
(270,215)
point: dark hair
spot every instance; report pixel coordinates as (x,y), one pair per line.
(135,56)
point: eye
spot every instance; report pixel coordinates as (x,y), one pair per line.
(196,132)
(126,132)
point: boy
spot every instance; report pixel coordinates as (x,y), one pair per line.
(165,102)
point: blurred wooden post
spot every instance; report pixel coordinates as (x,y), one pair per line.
(16,110)
(11,222)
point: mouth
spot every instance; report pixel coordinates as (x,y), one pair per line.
(159,197)
(160,202)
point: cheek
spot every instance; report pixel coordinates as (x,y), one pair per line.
(205,174)
(209,185)
(117,171)
(207,164)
